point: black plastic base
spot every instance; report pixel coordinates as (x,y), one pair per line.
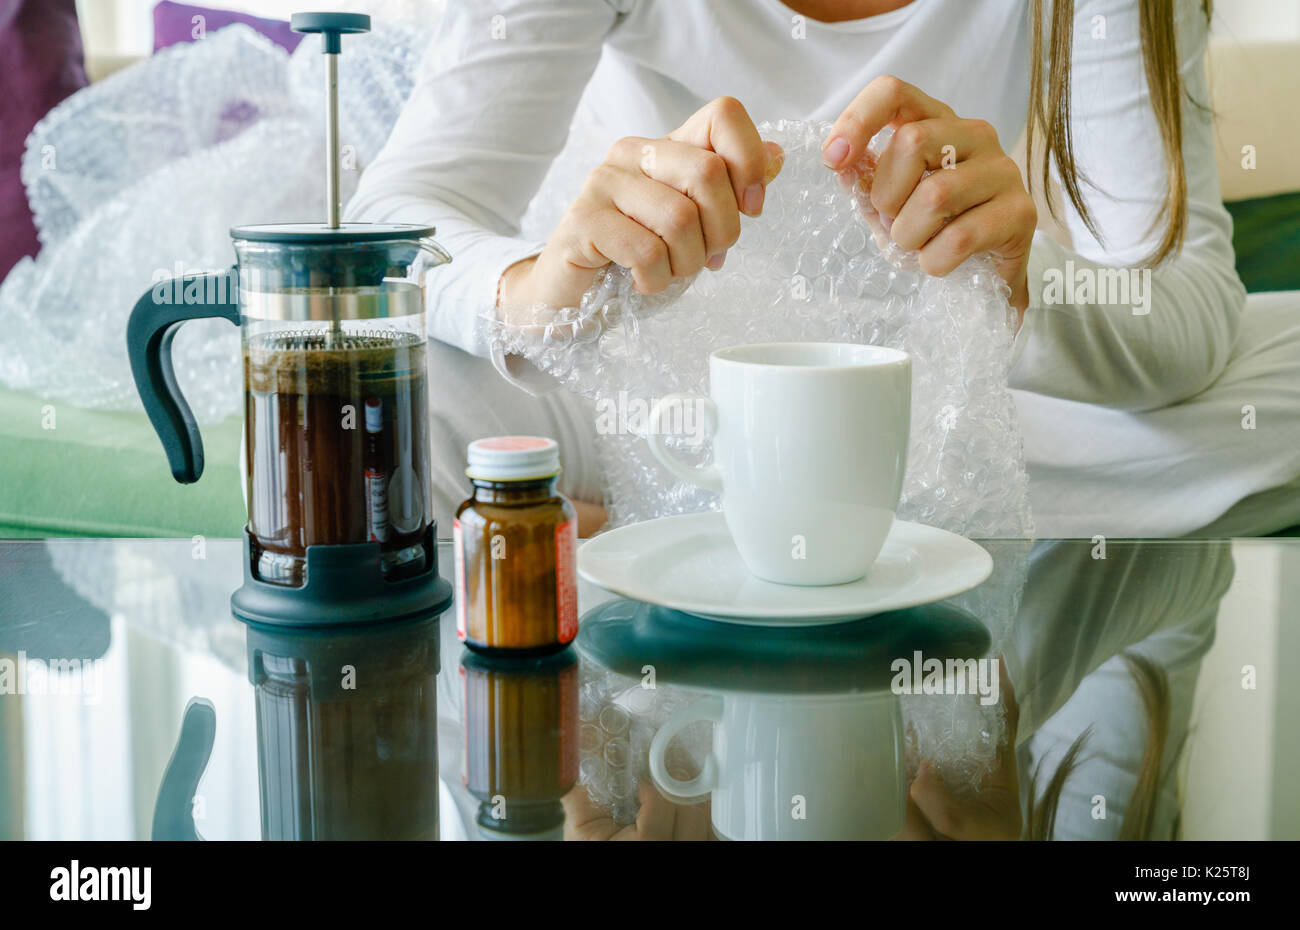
(531,652)
(345,586)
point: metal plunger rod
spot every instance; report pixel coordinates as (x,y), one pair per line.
(332,27)
(332,196)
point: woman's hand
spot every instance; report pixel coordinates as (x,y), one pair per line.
(664,208)
(934,812)
(975,201)
(657,819)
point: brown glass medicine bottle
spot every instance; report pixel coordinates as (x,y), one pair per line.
(515,548)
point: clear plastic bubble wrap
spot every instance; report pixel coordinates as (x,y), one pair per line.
(808,270)
(956,733)
(817,266)
(143,174)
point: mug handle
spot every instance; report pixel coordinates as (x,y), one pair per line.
(149,333)
(705,476)
(699,787)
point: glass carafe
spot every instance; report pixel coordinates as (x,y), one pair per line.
(336,421)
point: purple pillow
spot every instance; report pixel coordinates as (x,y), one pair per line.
(174,22)
(40,45)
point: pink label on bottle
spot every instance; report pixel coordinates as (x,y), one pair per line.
(462,596)
(566,580)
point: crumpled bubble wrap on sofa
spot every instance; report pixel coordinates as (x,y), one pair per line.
(141,176)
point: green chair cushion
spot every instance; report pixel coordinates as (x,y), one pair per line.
(103,473)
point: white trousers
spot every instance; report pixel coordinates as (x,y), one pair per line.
(1225,462)
(469,400)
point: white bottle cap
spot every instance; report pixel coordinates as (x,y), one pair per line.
(513,458)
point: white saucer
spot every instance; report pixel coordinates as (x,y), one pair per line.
(689,563)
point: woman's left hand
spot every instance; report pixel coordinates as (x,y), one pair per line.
(975,200)
(935,812)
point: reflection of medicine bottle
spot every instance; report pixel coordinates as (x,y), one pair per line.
(515,542)
(376,474)
(521,751)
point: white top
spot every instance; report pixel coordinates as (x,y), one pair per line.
(501,83)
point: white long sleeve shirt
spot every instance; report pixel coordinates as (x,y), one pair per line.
(501,82)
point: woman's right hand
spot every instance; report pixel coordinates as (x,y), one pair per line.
(663,208)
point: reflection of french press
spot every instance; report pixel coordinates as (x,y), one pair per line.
(347,736)
(335,417)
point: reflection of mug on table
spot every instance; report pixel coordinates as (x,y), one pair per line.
(795,767)
(809,449)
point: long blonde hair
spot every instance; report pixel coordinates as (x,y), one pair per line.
(1049,111)
(1140,814)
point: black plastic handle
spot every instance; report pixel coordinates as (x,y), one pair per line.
(149,333)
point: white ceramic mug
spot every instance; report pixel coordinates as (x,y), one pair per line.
(805,767)
(809,450)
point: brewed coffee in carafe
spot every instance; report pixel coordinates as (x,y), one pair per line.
(336,428)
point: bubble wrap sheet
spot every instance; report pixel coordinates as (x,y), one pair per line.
(143,174)
(810,269)
(817,266)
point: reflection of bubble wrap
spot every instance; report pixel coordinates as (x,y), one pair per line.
(617,720)
(808,270)
(958,734)
(159,587)
(145,172)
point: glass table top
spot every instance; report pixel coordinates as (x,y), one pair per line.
(1089,689)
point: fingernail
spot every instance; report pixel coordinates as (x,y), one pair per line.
(835,152)
(774,165)
(753,199)
(715,262)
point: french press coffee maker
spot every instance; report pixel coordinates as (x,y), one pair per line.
(340,527)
